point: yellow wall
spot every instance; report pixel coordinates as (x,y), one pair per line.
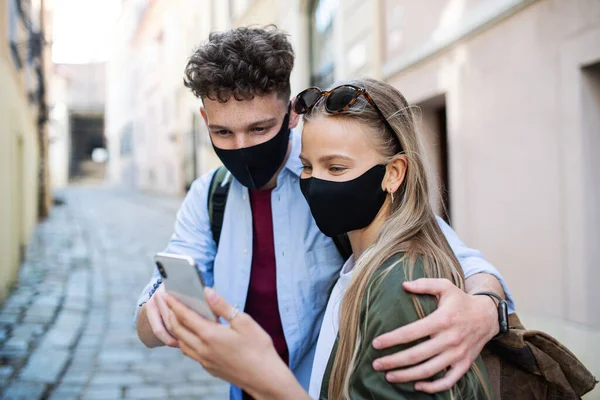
(19,161)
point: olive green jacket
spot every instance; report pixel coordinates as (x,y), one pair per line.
(391,307)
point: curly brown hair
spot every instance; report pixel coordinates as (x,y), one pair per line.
(243,63)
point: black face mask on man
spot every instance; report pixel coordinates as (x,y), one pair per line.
(254,166)
(340,207)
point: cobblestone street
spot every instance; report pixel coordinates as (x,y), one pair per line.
(66,331)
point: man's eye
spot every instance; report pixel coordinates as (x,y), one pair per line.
(222,132)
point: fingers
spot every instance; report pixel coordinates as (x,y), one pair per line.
(163,309)
(157,324)
(187,317)
(432,286)
(419,372)
(218,304)
(445,383)
(416,330)
(187,338)
(411,356)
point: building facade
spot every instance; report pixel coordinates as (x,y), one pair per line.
(509,92)
(156,137)
(23,196)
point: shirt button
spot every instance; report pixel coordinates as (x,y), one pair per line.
(245,197)
(245,251)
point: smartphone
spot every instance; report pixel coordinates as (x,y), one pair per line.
(183,279)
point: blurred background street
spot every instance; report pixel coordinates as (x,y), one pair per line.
(100,140)
(67,326)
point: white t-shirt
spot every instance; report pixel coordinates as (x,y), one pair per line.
(329,329)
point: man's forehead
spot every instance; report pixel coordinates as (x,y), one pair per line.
(244,112)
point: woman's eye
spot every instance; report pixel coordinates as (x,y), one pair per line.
(306,168)
(336,170)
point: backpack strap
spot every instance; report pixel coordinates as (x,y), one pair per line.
(217,198)
(342,242)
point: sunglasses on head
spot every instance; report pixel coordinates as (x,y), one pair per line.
(337,100)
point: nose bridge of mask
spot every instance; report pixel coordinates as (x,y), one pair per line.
(345,206)
(247,158)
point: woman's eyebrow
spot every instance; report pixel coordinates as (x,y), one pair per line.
(334,157)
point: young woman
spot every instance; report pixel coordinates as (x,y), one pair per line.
(364,173)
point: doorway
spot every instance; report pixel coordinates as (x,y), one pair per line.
(87,134)
(434,128)
(591,139)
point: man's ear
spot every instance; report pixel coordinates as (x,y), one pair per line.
(204,116)
(294,118)
(395,174)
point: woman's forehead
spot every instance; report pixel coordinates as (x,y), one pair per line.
(325,135)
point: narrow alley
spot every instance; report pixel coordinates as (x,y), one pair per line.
(66,331)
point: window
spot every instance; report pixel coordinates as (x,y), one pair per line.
(127,140)
(394,24)
(321,43)
(13,32)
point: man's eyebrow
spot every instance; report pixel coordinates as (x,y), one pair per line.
(268,121)
(217,127)
(262,122)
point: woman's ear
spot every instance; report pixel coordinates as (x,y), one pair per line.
(395,174)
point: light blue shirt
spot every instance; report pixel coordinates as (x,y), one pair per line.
(307,262)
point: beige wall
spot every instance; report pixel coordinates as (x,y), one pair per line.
(522,168)
(144,92)
(258,12)
(19,161)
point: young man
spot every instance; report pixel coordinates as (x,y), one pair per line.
(271,259)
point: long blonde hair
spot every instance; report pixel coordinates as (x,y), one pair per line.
(411,226)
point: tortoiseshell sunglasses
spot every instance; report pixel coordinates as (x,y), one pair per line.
(337,100)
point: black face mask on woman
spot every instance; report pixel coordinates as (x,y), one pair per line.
(340,207)
(254,166)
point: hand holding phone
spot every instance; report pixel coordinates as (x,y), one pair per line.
(182,278)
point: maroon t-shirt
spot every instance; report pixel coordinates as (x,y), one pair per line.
(261,302)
